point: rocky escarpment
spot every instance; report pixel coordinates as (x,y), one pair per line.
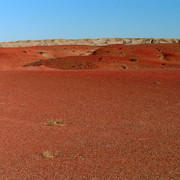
(90,42)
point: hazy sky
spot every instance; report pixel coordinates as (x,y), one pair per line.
(75,19)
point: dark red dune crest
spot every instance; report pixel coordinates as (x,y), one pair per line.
(102,63)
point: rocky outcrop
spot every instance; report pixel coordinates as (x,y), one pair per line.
(90,42)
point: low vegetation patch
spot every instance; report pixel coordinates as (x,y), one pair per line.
(49,155)
(55,123)
(124,67)
(133,60)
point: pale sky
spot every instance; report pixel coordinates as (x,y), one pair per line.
(76,19)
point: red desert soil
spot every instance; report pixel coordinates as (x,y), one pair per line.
(112,57)
(94,122)
(15,58)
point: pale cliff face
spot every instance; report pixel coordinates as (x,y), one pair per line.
(90,42)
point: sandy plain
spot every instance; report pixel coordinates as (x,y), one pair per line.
(90,112)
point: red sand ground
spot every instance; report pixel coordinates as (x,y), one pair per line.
(114,57)
(14,58)
(118,124)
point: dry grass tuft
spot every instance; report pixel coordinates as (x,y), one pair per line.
(55,123)
(49,155)
(124,67)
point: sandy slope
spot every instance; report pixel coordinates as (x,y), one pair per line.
(92,42)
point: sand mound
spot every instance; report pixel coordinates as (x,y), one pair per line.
(167,52)
(76,57)
(101,63)
(91,42)
(13,58)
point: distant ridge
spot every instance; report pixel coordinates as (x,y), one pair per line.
(90,42)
